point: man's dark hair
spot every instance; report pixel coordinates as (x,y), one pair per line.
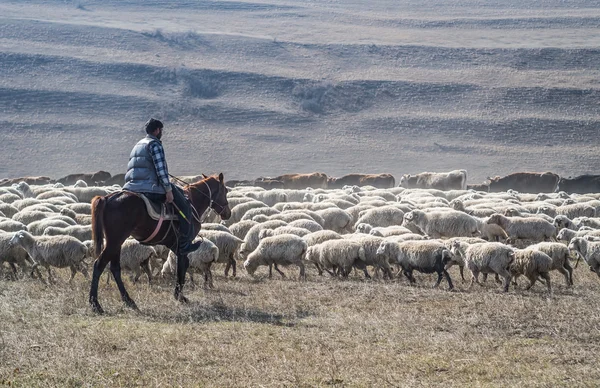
(152,125)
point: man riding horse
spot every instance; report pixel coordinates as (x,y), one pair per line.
(147,173)
(119,215)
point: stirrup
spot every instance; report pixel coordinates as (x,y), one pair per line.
(189,247)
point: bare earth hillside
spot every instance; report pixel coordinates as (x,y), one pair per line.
(266,87)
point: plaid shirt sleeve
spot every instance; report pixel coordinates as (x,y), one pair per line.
(158,157)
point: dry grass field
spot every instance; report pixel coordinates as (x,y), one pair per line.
(282,332)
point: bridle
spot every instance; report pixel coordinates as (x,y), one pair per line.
(209,196)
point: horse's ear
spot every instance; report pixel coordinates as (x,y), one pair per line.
(204,176)
(221,177)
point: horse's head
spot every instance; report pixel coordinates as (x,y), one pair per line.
(213,188)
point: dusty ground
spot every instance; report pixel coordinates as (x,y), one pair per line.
(256,88)
(322,332)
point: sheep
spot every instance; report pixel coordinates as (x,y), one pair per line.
(7,225)
(407,237)
(457,258)
(80,232)
(239,229)
(336,219)
(55,251)
(238,211)
(37,228)
(12,254)
(9,198)
(372,257)
(56,194)
(136,257)
(589,250)
(337,254)
(86,194)
(562,221)
(389,231)
(317,218)
(576,210)
(228,245)
(447,224)
(309,225)
(300,232)
(266,211)
(80,183)
(559,253)
(532,264)
(320,236)
(283,250)
(591,222)
(8,209)
(290,216)
(422,256)
(489,257)
(27,217)
(79,207)
(251,240)
(200,260)
(270,197)
(80,219)
(381,216)
(567,235)
(491,232)
(215,226)
(533,228)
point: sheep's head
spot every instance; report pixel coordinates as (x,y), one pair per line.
(575,244)
(265,233)
(495,218)
(251,265)
(383,247)
(562,194)
(568,201)
(363,228)
(404,180)
(408,217)
(17,238)
(447,257)
(457,204)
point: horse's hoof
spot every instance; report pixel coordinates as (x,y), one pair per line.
(96,308)
(131,304)
(183,299)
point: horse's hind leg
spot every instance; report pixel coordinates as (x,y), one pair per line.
(115,269)
(99,266)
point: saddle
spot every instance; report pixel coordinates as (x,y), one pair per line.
(158,210)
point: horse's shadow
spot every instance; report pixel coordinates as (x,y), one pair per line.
(219,312)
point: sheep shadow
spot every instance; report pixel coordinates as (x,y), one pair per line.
(219,312)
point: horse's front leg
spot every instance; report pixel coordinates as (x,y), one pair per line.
(115,269)
(99,266)
(182,265)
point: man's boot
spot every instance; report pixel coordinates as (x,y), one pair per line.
(185,239)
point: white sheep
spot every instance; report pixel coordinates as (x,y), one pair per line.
(13,254)
(80,232)
(300,232)
(285,249)
(55,251)
(200,260)
(228,245)
(532,264)
(215,226)
(443,224)
(240,229)
(136,257)
(337,255)
(422,256)
(560,258)
(238,211)
(7,225)
(576,210)
(252,237)
(490,257)
(372,257)
(320,236)
(311,226)
(381,216)
(589,250)
(265,211)
(533,228)
(336,219)
(37,228)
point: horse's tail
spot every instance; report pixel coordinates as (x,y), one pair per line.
(98,204)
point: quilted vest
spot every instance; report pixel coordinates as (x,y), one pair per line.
(141,174)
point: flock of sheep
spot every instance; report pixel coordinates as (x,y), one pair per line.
(380,232)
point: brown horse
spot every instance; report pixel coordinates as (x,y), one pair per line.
(122,214)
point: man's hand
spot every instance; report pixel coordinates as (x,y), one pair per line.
(169,198)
